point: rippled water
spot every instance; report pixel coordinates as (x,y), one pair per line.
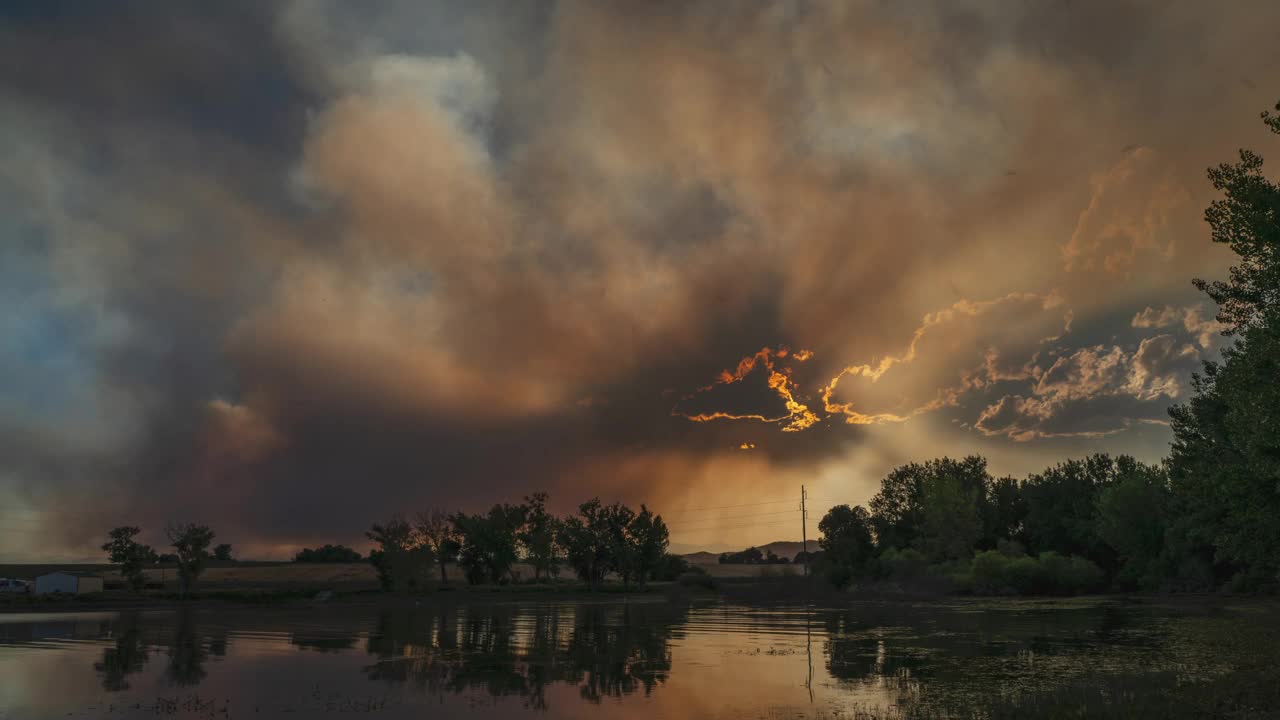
(591,659)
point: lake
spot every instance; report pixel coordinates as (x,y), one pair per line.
(640,659)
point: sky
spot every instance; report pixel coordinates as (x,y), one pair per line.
(290,268)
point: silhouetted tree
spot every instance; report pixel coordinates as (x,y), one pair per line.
(648,537)
(1003,512)
(596,542)
(1062,508)
(489,542)
(132,557)
(1224,466)
(126,657)
(400,559)
(846,536)
(327,554)
(538,536)
(222,552)
(191,546)
(440,538)
(1132,521)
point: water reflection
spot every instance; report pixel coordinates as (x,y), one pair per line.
(605,650)
(126,657)
(504,659)
(185,648)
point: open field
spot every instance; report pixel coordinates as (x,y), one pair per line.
(252,575)
(239,576)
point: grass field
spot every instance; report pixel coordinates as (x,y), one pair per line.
(335,576)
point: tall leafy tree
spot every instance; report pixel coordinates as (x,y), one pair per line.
(490,545)
(584,540)
(538,536)
(132,556)
(191,546)
(400,559)
(900,512)
(438,535)
(1132,521)
(1224,465)
(846,536)
(1003,513)
(649,538)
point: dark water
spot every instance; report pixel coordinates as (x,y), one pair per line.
(612,659)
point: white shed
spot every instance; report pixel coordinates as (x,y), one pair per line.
(70,583)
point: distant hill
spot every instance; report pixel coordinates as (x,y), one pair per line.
(781,548)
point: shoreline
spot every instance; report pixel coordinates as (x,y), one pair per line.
(296,600)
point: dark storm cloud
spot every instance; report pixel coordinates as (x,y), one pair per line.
(287,268)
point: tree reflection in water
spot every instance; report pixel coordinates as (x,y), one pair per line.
(127,657)
(607,651)
(186,647)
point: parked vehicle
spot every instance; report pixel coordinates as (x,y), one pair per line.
(13,585)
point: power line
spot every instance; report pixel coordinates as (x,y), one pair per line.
(731,517)
(723,507)
(734,527)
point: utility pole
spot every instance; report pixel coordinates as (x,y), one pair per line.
(804,531)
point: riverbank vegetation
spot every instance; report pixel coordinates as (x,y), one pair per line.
(1207,517)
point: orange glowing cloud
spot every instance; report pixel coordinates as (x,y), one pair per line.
(798,416)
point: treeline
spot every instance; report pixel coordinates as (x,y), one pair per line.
(327,554)
(598,541)
(1207,517)
(752,556)
(190,543)
(1080,526)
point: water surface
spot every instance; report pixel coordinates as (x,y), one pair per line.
(647,659)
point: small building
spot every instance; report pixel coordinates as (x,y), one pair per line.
(68,583)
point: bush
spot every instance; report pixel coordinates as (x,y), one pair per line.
(840,576)
(670,567)
(989,573)
(327,554)
(697,578)
(995,573)
(902,565)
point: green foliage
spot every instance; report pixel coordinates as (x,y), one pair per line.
(951,518)
(400,560)
(437,535)
(750,556)
(670,567)
(538,536)
(603,539)
(838,576)
(490,543)
(191,546)
(132,556)
(648,537)
(995,573)
(846,538)
(938,507)
(697,578)
(327,554)
(1224,466)
(902,566)
(1062,506)
(1133,520)
(1003,513)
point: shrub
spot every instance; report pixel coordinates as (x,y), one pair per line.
(670,567)
(995,573)
(697,578)
(840,576)
(989,572)
(902,565)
